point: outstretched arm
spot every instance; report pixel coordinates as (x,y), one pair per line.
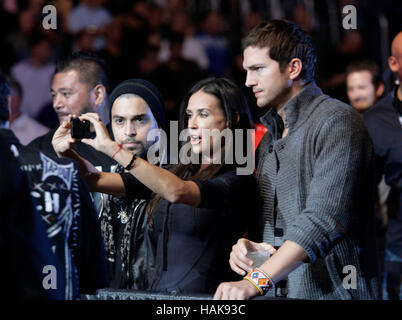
(159,180)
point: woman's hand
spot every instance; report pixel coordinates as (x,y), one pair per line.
(62,141)
(102,141)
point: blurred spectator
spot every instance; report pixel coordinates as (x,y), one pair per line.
(252,19)
(192,48)
(384,122)
(170,7)
(155,22)
(176,77)
(90,15)
(84,41)
(364,85)
(34,74)
(18,41)
(147,63)
(305,19)
(112,53)
(24,127)
(64,8)
(350,49)
(215,43)
(134,22)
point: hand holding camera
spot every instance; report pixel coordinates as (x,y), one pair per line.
(81,129)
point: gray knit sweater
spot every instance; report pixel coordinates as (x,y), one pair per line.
(317,189)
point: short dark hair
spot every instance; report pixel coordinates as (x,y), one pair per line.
(285,40)
(366,65)
(90,68)
(4,93)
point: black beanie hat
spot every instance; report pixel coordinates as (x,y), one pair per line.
(147,91)
(4,93)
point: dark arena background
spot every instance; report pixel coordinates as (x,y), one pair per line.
(172,44)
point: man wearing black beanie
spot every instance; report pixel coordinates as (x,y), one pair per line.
(137,107)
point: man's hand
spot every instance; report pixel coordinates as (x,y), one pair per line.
(239,262)
(238,290)
(102,141)
(62,141)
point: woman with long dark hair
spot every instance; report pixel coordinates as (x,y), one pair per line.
(198,210)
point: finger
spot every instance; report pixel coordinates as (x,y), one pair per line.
(268,247)
(218,293)
(240,251)
(226,288)
(90,115)
(90,142)
(242,246)
(240,263)
(237,269)
(99,127)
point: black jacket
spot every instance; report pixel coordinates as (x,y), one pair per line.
(64,203)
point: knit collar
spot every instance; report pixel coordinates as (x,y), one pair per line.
(297,109)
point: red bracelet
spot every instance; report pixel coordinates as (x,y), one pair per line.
(120,147)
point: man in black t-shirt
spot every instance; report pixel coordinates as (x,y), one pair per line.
(24,247)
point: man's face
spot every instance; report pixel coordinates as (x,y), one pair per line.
(360,89)
(70,95)
(132,119)
(270,86)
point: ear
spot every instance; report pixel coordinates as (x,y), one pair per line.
(99,92)
(295,67)
(393,64)
(380,90)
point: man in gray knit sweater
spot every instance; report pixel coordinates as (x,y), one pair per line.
(315,174)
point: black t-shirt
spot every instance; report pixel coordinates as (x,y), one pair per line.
(24,247)
(65,206)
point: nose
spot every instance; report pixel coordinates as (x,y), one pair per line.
(250,81)
(130,130)
(58,101)
(192,123)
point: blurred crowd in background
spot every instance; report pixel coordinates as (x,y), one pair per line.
(174,43)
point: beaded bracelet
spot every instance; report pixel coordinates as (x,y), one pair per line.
(260,280)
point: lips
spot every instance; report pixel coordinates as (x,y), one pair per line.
(194,139)
(131,144)
(256,93)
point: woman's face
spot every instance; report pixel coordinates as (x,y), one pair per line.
(205,119)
